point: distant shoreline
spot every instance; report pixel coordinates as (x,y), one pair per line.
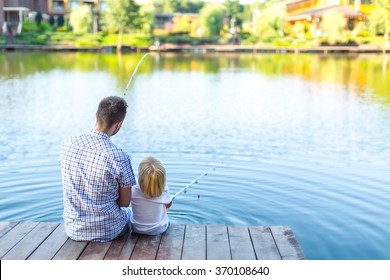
(201,49)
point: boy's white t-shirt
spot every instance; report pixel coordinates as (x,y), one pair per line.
(149,215)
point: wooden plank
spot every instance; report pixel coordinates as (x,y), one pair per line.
(49,247)
(264,243)
(218,247)
(30,242)
(44,240)
(171,245)
(95,251)
(194,247)
(287,243)
(146,247)
(6,227)
(14,236)
(115,250)
(129,246)
(71,250)
(240,243)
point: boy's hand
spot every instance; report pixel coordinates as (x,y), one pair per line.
(168,205)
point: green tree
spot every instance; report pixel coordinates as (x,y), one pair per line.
(120,16)
(186,6)
(333,25)
(234,12)
(270,21)
(211,16)
(147,14)
(379,20)
(81,19)
(178,6)
(168,6)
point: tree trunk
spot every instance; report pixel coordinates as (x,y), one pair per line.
(119,45)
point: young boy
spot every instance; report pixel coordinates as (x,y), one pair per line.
(150,198)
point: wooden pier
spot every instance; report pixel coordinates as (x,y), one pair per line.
(47,241)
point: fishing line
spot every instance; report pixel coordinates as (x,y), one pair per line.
(195,181)
(135,71)
(205,173)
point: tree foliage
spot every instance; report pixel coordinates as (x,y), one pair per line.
(182,25)
(212,15)
(122,15)
(379,20)
(147,14)
(81,19)
(333,25)
(271,19)
(234,11)
(178,6)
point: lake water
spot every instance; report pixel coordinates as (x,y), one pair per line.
(299,140)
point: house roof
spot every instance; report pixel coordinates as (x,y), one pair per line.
(295,2)
(346,11)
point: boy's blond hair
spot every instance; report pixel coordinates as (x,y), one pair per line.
(151,177)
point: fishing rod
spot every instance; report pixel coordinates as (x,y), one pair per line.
(135,70)
(193,182)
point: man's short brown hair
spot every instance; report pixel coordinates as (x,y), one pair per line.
(111,109)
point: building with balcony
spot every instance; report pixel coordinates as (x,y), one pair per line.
(309,13)
(13,12)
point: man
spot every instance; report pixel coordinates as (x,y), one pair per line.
(97,177)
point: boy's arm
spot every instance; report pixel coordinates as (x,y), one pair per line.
(124,197)
(167,197)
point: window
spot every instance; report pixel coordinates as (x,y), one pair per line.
(103,6)
(74,4)
(363,2)
(58,5)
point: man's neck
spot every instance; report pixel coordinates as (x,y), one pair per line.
(104,130)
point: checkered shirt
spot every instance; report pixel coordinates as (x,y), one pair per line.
(93,169)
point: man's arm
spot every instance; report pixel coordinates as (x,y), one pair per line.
(124,197)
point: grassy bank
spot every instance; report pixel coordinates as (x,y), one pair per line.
(67,38)
(78,40)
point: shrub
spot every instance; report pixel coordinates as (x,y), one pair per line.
(283,42)
(52,20)
(60,21)
(38,18)
(2,40)
(31,38)
(251,40)
(31,26)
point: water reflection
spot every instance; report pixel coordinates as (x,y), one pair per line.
(365,75)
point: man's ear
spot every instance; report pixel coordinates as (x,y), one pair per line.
(118,125)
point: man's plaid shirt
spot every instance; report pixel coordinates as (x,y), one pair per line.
(93,169)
